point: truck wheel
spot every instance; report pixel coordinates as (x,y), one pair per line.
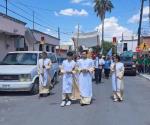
(35,88)
(134,74)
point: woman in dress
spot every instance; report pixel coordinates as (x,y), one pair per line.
(117,69)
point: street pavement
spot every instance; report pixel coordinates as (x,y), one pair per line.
(24,109)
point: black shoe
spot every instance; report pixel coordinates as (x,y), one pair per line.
(96,82)
(82,104)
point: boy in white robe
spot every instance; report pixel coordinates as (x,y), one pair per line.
(44,66)
(67,68)
(86,68)
(117,69)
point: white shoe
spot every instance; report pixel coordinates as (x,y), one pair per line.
(68,103)
(63,103)
(115,100)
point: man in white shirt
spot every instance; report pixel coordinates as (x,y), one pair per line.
(67,68)
(44,66)
(99,62)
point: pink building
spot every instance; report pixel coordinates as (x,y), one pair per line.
(14,36)
(12,33)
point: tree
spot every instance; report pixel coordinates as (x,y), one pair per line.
(101,7)
(106,47)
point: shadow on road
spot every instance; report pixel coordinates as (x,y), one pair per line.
(15,94)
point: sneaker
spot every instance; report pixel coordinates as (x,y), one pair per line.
(63,103)
(120,99)
(115,100)
(68,103)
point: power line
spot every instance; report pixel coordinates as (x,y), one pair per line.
(30,6)
(20,8)
(65,33)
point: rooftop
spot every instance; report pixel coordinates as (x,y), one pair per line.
(44,34)
(12,19)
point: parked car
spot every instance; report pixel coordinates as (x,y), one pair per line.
(130,66)
(18,71)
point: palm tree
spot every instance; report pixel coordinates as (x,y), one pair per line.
(101,7)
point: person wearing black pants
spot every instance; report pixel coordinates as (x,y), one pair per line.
(107,67)
(99,62)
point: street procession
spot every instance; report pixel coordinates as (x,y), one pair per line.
(75,62)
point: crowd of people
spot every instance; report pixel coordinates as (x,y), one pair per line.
(78,72)
(143,63)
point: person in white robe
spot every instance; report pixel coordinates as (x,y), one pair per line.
(86,68)
(67,68)
(117,69)
(44,66)
(75,90)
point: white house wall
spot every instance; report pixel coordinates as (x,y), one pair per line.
(10,26)
(131,45)
(6,45)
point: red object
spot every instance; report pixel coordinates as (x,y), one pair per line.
(138,49)
(114,40)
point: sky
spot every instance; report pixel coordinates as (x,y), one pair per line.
(67,14)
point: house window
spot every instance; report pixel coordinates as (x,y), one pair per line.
(53,49)
(20,44)
(125,47)
(47,48)
(40,47)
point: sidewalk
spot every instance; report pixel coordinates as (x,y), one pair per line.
(147,76)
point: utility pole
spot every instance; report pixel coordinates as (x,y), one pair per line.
(132,42)
(78,37)
(140,22)
(59,39)
(33,19)
(149,11)
(6,6)
(122,37)
(98,40)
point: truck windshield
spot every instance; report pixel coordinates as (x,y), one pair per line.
(20,59)
(123,58)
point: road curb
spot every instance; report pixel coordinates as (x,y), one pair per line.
(144,76)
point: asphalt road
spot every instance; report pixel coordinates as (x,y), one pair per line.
(24,109)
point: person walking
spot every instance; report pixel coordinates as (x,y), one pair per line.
(86,68)
(99,62)
(67,68)
(44,66)
(107,67)
(148,61)
(75,90)
(117,69)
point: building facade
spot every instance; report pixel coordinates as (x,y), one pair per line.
(11,35)
(14,36)
(127,45)
(33,40)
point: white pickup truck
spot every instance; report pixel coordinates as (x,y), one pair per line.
(18,71)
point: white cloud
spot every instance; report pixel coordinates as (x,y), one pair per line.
(77,1)
(73,12)
(114,29)
(135,18)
